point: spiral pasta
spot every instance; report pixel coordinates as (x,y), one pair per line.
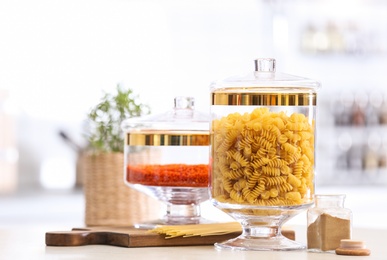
(263,158)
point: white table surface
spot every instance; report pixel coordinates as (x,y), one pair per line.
(26,217)
(30,244)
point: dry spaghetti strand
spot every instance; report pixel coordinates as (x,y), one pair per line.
(213,229)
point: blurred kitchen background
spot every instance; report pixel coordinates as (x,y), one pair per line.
(58,57)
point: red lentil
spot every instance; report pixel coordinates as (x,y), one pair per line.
(181,175)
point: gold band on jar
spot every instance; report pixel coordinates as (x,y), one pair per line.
(262,99)
(199,138)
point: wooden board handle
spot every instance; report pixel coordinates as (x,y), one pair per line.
(81,238)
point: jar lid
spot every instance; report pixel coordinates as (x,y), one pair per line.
(265,87)
(265,77)
(182,125)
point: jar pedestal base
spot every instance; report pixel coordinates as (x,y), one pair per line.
(278,243)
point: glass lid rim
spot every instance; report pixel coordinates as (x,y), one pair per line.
(250,80)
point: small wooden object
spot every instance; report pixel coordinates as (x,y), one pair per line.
(352,248)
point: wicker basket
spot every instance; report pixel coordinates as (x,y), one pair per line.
(109,202)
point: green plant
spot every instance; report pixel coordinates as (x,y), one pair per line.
(104,133)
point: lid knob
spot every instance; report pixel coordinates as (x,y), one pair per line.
(265,65)
(184,102)
(184,107)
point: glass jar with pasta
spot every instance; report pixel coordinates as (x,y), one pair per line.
(263,153)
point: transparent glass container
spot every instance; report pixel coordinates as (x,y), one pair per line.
(166,156)
(328,223)
(262,153)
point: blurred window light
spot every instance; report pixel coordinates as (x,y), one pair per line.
(280,32)
(57,173)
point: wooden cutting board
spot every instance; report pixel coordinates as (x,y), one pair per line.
(131,237)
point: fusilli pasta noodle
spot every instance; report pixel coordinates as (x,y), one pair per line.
(263,158)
